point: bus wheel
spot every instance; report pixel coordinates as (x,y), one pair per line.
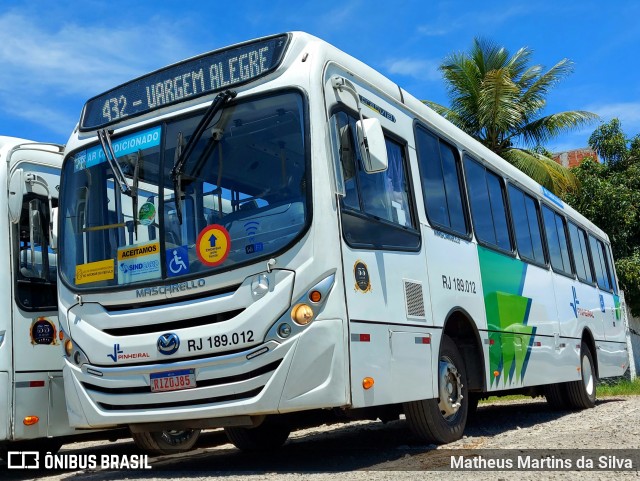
(271,434)
(442,420)
(582,394)
(556,395)
(166,442)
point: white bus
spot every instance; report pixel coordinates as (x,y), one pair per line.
(274,230)
(32,406)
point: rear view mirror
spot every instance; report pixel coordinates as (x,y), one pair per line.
(16,192)
(372,145)
(53,235)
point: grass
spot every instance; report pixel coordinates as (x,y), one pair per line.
(623,387)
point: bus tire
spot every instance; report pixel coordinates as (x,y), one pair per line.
(270,435)
(166,442)
(442,420)
(582,394)
(472,407)
(556,395)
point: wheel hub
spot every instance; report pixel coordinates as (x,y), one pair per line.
(450,388)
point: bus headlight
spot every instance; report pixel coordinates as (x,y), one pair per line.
(302,314)
(68,347)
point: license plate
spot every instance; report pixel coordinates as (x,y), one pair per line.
(172,380)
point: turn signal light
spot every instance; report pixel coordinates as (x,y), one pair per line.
(367,383)
(30,420)
(315,296)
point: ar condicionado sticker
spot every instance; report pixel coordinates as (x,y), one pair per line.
(213,245)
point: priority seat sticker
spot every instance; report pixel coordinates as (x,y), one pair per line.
(213,245)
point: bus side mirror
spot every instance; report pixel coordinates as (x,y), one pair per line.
(372,145)
(53,233)
(16,192)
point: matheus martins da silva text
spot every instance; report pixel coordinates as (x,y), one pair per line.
(525,462)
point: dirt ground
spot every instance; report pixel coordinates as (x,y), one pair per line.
(525,432)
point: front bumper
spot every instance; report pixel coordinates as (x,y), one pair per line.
(305,372)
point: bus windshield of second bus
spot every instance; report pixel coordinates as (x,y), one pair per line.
(247,174)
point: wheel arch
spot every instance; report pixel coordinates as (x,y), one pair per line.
(589,340)
(461,328)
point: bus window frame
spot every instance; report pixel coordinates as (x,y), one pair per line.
(606,261)
(33,282)
(184,113)
(466,210)
(545,253)
(507,209)
(572,274)
(586,232)
(614,275)
(414,229)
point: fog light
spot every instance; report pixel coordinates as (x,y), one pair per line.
(68,347)
(367,383)
(30,420)
(302,314)
(284,330)
(76,357)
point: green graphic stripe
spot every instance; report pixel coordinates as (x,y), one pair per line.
(507,315)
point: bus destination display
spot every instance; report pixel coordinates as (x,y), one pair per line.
(195,77)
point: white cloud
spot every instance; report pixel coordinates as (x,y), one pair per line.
(74,59)
(627,112)
(416,68)
(49,67)
(58,121)
(453,20)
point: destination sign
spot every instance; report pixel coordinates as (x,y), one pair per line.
(192,78)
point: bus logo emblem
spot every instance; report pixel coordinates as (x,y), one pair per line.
(168,343)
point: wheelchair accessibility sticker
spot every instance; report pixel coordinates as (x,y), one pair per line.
(177,261)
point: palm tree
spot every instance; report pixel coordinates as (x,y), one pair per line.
(498,99)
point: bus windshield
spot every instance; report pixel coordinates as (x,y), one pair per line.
(243,195)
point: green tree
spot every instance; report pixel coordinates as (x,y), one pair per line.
(610,143)
(498,99)
(609,196)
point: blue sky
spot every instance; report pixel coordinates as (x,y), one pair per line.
(56,54)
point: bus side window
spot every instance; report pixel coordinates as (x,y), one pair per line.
(375,206)
(488,210)
(580,253)
(348,159)
(36,262)
(612,271)
(600,263)
(526,224)
(555,229)
(441,185)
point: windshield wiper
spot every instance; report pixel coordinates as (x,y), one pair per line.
(134,193)
(182,156)
(118,174)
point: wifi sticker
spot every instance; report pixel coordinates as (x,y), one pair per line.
(251,228)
